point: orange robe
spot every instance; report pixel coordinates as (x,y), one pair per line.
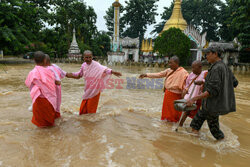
(174,85)
(44,114)
(168,111)
(89,105)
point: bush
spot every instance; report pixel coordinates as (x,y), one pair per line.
(173,42)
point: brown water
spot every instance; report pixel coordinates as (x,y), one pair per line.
(126,131)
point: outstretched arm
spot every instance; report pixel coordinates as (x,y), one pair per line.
(71,75)
(110,71)
(143,76)
(58,82)
(201,96)
(75,75)
(118,74)
(154,75)
(62,73)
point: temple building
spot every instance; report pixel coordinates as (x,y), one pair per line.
(177,20)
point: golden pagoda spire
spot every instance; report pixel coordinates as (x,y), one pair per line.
(146,45)
(142,46)
(150,49)
(176,19)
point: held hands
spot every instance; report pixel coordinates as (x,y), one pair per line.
(78,77)
(70,75)
(58,82)
(142,76)
(189,102)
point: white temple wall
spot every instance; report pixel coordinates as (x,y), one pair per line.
(134,52)
(126,54)
(225,57)
(136,55)
(199,54)
(116,58)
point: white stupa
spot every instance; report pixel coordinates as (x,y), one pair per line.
(74,51)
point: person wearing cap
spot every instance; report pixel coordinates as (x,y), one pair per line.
(218,94)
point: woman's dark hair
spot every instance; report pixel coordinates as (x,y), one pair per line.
(175,59)
(39,57)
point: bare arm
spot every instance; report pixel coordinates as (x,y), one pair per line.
(75,75)
(58,82)
(143,76)
(184,92)
(71,75)
(154,75)
(199,97)
(118,74)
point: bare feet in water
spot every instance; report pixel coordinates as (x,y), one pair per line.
(192,131)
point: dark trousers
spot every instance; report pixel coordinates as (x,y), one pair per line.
(212,121)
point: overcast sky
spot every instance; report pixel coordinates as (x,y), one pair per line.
(101,6)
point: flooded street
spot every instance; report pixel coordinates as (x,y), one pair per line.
(125,132)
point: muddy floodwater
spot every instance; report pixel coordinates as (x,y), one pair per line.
(125,132)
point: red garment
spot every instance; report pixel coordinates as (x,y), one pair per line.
(44,114)
(168,111)
(193,113)
(89,105)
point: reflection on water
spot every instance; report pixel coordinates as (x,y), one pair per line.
(126,131)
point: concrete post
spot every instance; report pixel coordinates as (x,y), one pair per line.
(1,52)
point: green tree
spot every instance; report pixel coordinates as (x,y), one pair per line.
(29,25)
(138,15)
(55,41)
(71,14)
(173,42)
(109,18)
(240,25)
(240,21)
(103,41)
(100,44)
(225,28)
(209,22)
(20,21)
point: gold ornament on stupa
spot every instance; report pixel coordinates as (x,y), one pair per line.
(150,49)
(146,46)
(142,46)
(176,20)
(116,3)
